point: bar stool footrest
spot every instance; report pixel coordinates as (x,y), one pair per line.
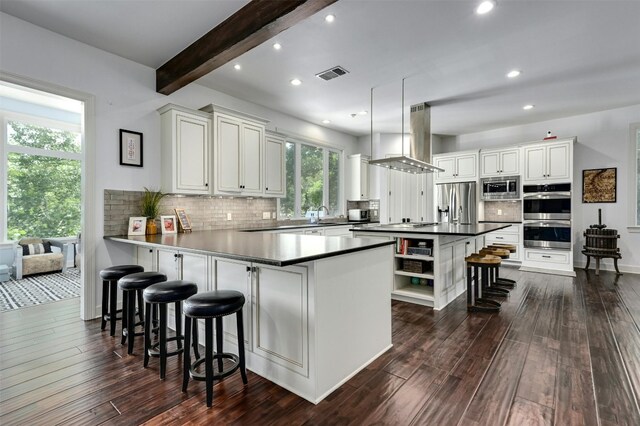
(155,352)
(216,376)
(506,282)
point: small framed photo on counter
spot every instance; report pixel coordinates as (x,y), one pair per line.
(168,224)
(183,220)
(137,225)
(130,148)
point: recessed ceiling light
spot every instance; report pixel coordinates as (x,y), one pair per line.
(363,113)
(326,121)
(330,18)
(513,73)
(485,7)
(296,82)
(237,67)
(277,46)
(528,106)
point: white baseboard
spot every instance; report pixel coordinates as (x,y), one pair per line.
(548,271)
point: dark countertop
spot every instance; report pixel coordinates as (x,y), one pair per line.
(439,229)
(266,248)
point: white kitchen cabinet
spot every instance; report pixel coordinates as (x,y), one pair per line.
(235,275)
(274,165)
(238,152)
(280,316)
(504,162)
(408,197)
(359,181)
(337,231)
(177,265)
(549,162)
(510,235)
(185,141)
(145,257)
(459,167)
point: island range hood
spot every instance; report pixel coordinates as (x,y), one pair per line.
(419,159)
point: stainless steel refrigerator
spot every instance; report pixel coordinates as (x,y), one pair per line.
(456,202)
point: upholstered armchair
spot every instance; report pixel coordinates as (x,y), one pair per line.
(35,256)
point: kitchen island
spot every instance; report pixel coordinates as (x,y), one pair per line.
(429,266)
(318,308)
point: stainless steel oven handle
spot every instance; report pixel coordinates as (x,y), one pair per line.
(548,195)
(563,223)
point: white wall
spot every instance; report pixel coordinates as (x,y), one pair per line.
(603,141)
(125,97)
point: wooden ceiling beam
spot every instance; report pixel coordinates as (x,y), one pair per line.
(255,23)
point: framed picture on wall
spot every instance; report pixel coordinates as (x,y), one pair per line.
(183,220)
(130,148)
(169,225)
(599,185)
(137,225)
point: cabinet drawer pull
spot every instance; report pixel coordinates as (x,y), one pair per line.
(499,238)
(546,257)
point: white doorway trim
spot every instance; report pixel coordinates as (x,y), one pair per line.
(87,258)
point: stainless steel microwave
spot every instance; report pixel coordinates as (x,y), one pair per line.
(500,188)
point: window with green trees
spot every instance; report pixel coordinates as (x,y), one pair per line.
(43,178)
(313,179)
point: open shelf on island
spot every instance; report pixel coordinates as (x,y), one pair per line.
(415,274)
(425,293)
(415,256)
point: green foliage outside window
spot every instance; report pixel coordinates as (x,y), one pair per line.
(43,193)
(287,205)
(311,178)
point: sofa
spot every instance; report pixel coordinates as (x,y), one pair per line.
(40,256)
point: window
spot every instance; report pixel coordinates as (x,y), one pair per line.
(43,178)
(313,178)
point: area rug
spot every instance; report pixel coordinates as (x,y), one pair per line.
(38,289)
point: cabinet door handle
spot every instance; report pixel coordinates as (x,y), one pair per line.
(206,184)
(248,268)
(266,189)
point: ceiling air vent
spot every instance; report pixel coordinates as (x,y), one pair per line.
(332,73)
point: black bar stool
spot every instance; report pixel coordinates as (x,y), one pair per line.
(207,306)
(478,272)
(110,277)
(160,295)
(131,285)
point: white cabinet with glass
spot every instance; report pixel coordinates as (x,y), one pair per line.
(549,162)
(500,162)
(359,181)
(185,141)
(461,167)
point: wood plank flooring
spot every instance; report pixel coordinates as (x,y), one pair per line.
(562,351)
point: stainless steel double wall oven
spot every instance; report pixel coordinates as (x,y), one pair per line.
(547,216)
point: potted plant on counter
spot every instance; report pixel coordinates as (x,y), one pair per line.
(151,208)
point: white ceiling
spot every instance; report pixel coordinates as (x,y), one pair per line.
(575,56)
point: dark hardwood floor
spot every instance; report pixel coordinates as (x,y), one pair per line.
(562,351)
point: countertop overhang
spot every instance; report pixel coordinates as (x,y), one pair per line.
(266,248)
(472,230)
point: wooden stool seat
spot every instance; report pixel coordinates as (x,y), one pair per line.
(512,248)
(482,260)
(504,254)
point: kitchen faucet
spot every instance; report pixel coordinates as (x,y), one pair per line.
(318,212)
